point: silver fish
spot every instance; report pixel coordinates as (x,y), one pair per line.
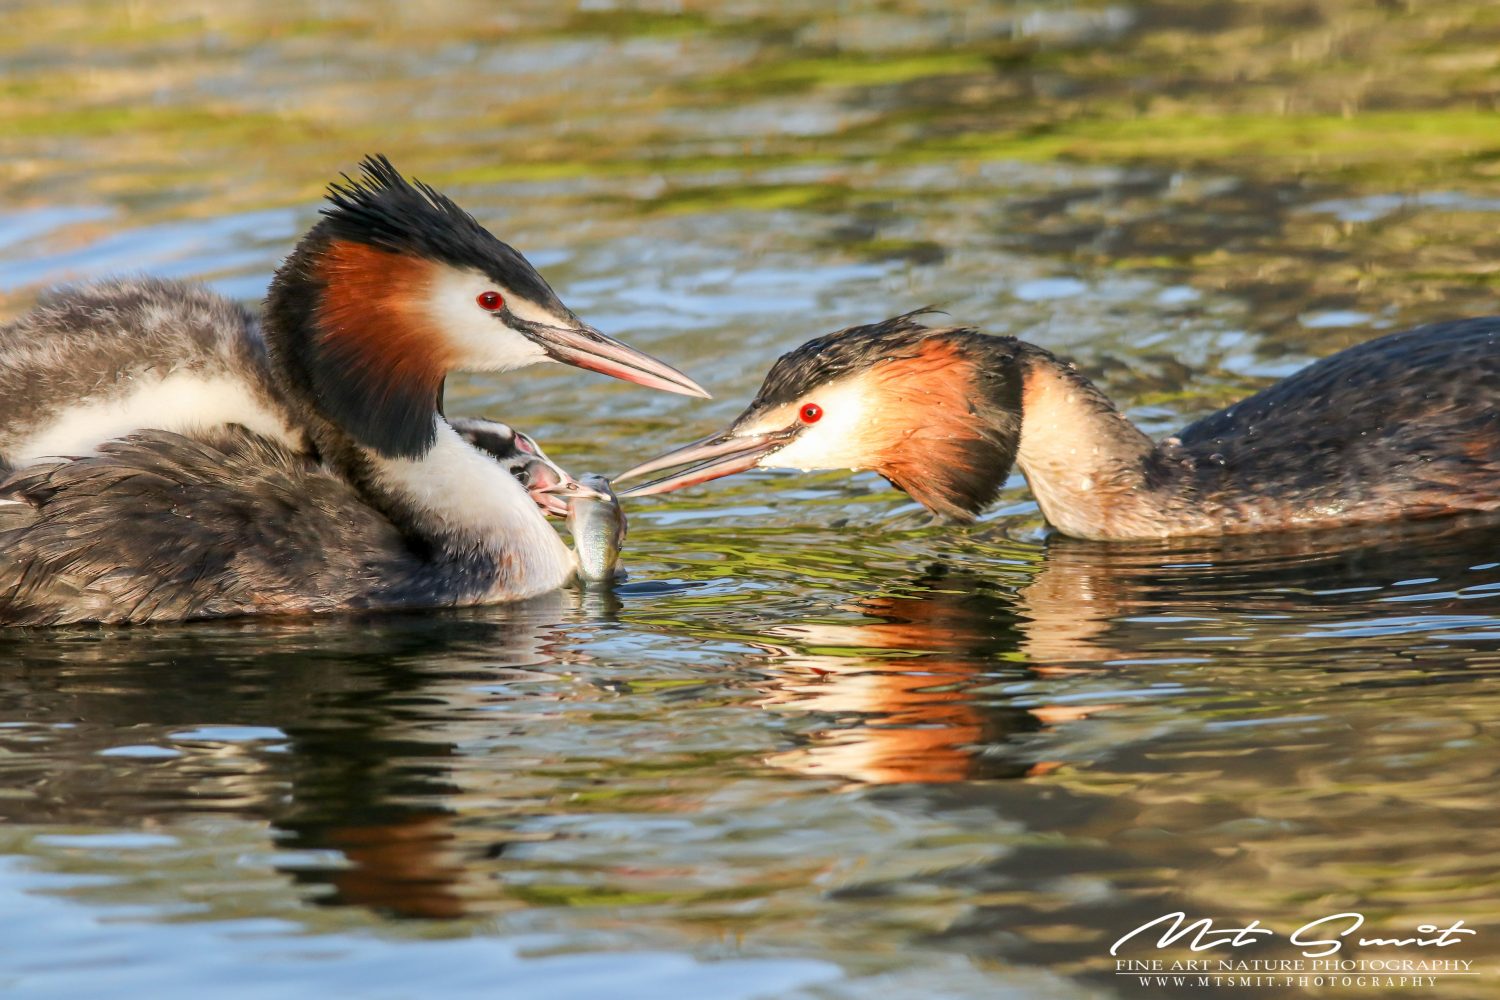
(598,527)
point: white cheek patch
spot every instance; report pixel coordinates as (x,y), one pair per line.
(481,340)
(834,442)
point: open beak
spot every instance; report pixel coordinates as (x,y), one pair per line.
(557,498)
(710,458)
(585,347)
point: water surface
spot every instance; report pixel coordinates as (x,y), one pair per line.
(816,746)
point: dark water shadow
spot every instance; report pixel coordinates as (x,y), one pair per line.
(353,711)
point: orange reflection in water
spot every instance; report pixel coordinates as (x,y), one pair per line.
(912,693)
(921,691)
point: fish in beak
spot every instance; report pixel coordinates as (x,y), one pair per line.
(558,498)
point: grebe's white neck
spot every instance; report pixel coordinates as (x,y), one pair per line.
(461,498)
(1082,458)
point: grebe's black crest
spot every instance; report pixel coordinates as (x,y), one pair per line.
(352,292)
(844,352)
(385,210)
(397,286)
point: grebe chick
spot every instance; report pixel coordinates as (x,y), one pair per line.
(157,526)
(1404,426)
(550,487)
(393,289)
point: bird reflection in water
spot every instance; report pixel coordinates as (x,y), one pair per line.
(406,855)
(366,792)
(900,690)
(417,750)
(948,678)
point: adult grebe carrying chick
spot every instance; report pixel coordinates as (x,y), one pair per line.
(1404,426)
(168,457)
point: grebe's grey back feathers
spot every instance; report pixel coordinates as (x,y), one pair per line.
(161,527)
(100,344)
(1439,375)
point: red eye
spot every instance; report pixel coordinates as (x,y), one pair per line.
(812,413)
(490,300)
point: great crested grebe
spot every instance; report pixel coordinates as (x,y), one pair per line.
(1404,426)
(329,409)
(156,526)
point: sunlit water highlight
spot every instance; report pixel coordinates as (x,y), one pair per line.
(816,746)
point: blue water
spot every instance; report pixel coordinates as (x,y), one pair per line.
(816,746)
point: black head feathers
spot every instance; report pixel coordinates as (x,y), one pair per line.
(385,210)
(841,353)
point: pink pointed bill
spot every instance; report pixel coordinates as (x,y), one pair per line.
(593,351)
(712,457)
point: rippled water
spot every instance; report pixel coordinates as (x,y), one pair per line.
(815,746)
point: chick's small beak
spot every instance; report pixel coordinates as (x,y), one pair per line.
(574,490)
(558,498)
(587,348)
(553,489)
(709,458)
